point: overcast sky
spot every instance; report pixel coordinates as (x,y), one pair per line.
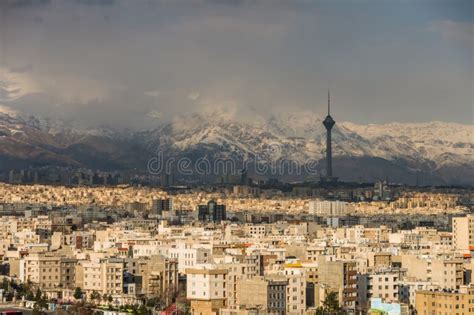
(130,63)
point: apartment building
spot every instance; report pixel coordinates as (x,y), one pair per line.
(296,288)
(444,272)
(41,269)
(407,290)
(104,276)
(456,302)
(159,276)
(383,284)
(463,232)
(189,255)
(267,294)
(206,289)
(255,230)
(340,276)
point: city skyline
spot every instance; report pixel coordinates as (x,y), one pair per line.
(236,157)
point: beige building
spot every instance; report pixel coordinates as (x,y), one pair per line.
(463,232)
(268,295)
(340,276)
(104,276)
(456,302)
(382,284)
(41,269)
(446,273)
(159,276)
(379,260)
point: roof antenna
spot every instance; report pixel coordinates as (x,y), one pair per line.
(329,102)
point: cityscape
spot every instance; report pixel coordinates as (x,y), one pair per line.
(236,157)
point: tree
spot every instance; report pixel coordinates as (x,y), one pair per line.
(38,294)
(13,284)
(78,293)
(152,302)
(41,304)
(95,295)
(5,284)
(143,310)
(183,307)
(330,305)
(110,298)
(29,295)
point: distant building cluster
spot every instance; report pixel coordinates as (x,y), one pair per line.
(240,198)
(327,208)
(425,200)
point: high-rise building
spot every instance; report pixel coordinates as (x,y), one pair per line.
(212,212)
(328,123)
(160,205)
(167,179)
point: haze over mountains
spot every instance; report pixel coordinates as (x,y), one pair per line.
(430,153)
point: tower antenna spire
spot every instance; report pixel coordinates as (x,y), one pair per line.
(329,102)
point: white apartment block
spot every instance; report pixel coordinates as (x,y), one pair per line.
(327,208)
(189,255)
(296,288)
(206,289)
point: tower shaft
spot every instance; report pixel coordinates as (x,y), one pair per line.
(328,154)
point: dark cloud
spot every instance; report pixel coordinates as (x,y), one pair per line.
(135,61)
(23,3)
(96,2)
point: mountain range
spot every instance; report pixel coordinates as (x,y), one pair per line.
(428,153)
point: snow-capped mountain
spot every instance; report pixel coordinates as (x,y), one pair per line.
(437,151)
(31,141)
(299,138)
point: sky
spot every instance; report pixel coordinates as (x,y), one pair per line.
(136,64)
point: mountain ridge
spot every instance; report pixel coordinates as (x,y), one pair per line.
(441,151)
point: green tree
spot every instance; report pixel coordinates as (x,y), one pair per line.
(330,305)
(41,304)
(38,294)
(5,284)
(143,310)
(153,302)
(29,295)
(78,293)
(95,296)
(13,284)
